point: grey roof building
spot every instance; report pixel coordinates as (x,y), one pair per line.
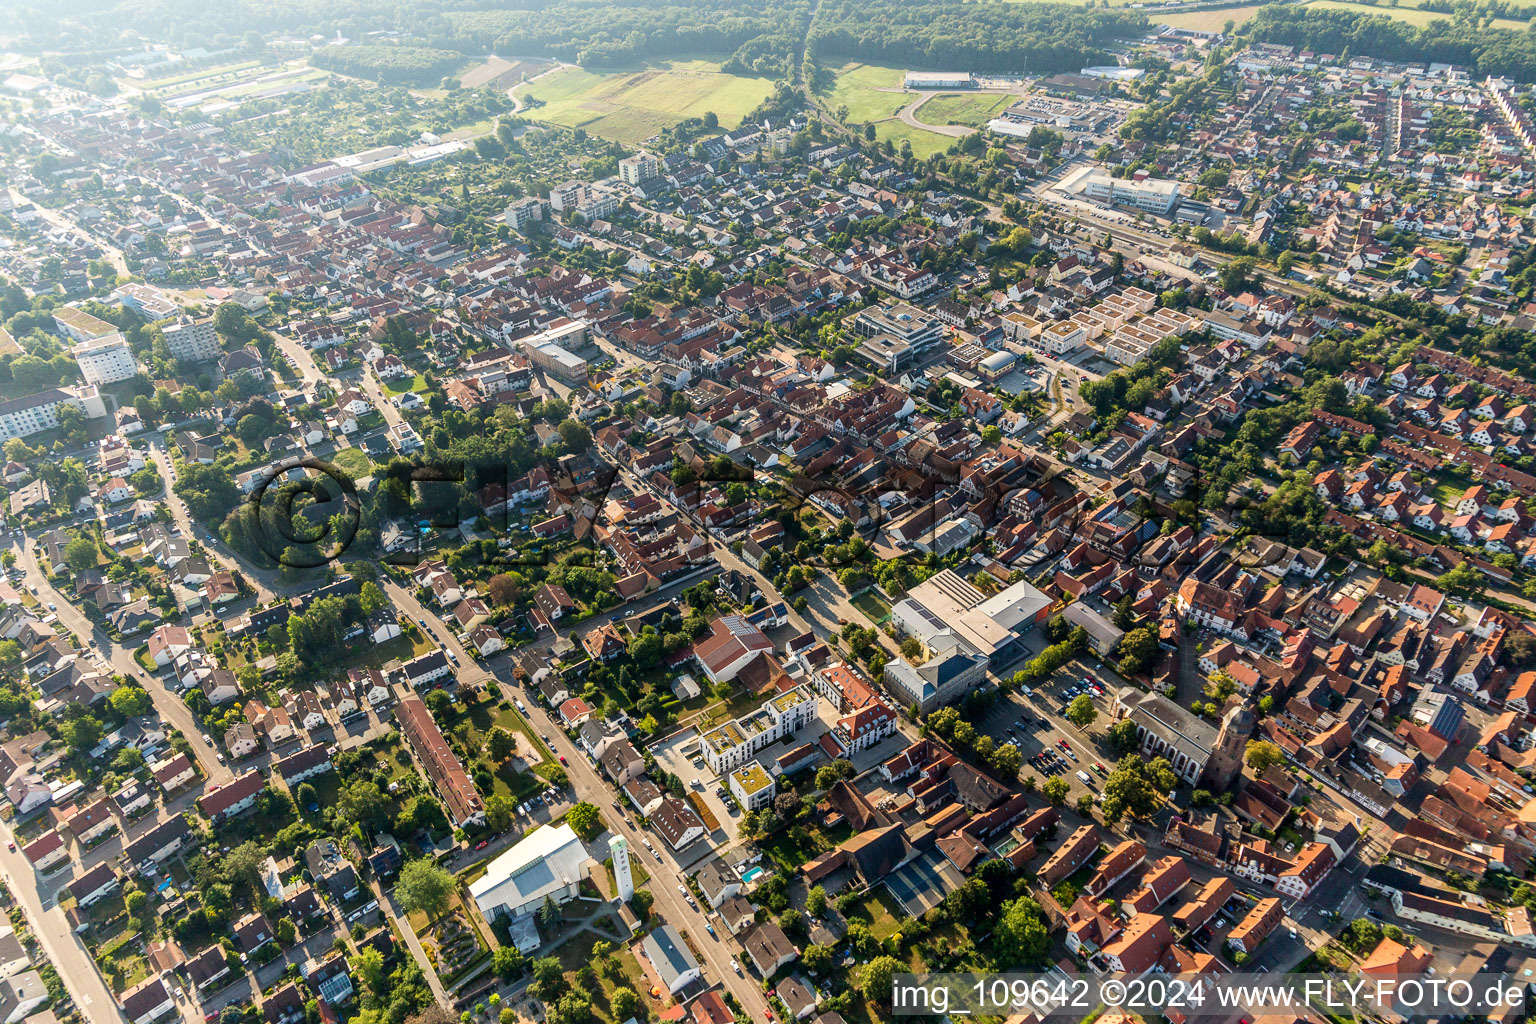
(674,964)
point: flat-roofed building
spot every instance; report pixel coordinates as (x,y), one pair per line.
(1154,195)
(193,340)
(105,360)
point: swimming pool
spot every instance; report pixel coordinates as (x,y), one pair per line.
(751,873)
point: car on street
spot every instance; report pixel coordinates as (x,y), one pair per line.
(482,844)
(735,966)
(563,760)
(10,844)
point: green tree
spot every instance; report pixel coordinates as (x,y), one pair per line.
(625,1004)
(875,978)
(1055,790)
(507,962)
(1122,736)
(1081,711)
(1136,787)
(362,803)
(131,701)
(500,744)
(1260,755)
(81,554)
(424,886)
(1021,938)
(368,965)
(499,810)
(586,820)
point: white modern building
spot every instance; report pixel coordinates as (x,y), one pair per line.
(33,414)
(640,168)
(938,80)
(105,360)
(732,745)
(1154,195)
(623,875)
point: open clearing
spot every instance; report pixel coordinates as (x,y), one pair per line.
(632,106)
(858,87)
(872,94)
(971,109)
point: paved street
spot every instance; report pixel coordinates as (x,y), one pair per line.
(58,940)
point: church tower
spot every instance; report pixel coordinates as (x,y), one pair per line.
(1226,761)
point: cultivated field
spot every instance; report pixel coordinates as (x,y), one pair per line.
(632,106)
(1407,11)
(1205,21)
(500,73)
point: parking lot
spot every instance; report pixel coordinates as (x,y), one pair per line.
(1051,746)
(692,769)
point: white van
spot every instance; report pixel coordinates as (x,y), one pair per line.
(1085,778)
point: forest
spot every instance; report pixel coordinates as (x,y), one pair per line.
(1486,50)
(760,36)
(1003,38)
(395,65)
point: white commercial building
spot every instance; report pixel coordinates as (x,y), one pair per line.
(1154,195)
(33,414)
(641,167)
(732,745)
(939,80)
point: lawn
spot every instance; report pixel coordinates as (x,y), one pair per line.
(619,970)
(472,725)
(632,106)
(404,647)
(1208,21)
(973,109)
(880,913)
(872,94)
(858,87)
(354,461)
(924,143)
(396,385)
(789,848)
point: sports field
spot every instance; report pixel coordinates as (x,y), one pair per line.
(632,106)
